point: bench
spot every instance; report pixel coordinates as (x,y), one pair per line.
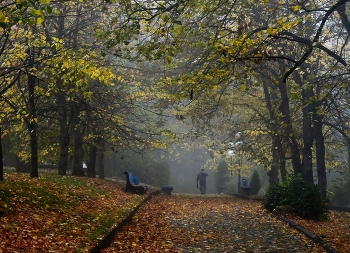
(245,188)
(167,189)
(132,182)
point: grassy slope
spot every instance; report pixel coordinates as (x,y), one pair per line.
(59,213)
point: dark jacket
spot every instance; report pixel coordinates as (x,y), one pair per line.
(202,177)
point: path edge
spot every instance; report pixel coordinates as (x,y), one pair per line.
(310,235)
(107,240)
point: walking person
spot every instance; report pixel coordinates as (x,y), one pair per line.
(202,179)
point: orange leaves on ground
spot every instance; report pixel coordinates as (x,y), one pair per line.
(210,223)
(59,214)
(63,214)
(335,231)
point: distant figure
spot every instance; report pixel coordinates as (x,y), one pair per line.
(202,178)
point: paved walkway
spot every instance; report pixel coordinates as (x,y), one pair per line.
(207,223)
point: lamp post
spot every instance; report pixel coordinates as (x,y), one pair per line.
(230,153)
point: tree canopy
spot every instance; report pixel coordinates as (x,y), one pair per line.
(81,79)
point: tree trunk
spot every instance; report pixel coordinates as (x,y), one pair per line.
(273,172)
(282,158)
(307,95)
(34,172)
(91,166)
(31,120)
(63,134)
(289,133)
(62,108)
(78,154)
(320,155)
(92,161)
(101,168)
(100,158)
(78,148)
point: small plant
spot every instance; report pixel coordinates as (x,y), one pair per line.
(298,197)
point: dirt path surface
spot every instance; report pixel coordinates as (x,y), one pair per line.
(207,223)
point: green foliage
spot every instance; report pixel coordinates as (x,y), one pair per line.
(298,197)
(221,176)
(231,185)
(4,199)
(255,183)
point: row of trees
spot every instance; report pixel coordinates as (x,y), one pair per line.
(65,93)
(276,71)
(107,74)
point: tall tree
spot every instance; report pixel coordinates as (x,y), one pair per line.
(221,176)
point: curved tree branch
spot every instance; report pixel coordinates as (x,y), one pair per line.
(343,17)
(316,38)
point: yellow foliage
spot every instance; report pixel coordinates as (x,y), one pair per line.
(257,132)
(280,21)
(297,7)
(3,18)
(39,90)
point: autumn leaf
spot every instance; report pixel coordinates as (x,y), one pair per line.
(59,214)
(69,214)
(211,223)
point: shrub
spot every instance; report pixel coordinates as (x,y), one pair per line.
(298,197)
(255,183)
(221,176)
(231,185)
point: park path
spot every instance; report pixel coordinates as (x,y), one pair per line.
(207,223)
